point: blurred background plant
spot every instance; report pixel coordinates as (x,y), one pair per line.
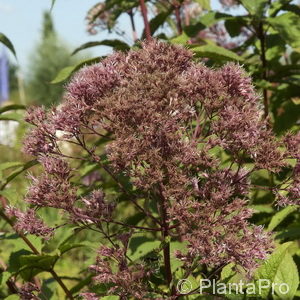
(50,55)
(261,35)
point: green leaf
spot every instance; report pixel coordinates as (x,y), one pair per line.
(4,40)
(289,115)
(52,4)
(44,261)
(19,244)
(20,170)
(14,260)
(205,4)
(277,6)
(288,26)
(69,246)
(213,17)
(293,8)
(275,46)
(12,297)
(49,290)
(8,165)
(215,53)
(116,44)
(82,283)
(234,25)
(193,30)
(281,215)
(67,72)
(230,276)
(255,7)
(4,276)
(11,107)
(158,21)
(287,274)
(140,246)
(262,208)
(291,233)
(175,262)
(32,265)
(272,268)
(11,117)
(180,39)
(227,272)
(11,195)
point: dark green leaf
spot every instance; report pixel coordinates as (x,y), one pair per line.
(275,46)
(69,246)
(193,30)
(32,265)
(234,25)
(11,164)
(158,21)
(293,8)
(116,44)
(291,233)
(52,4)
(86,281)
(4,40)
(11,107)
(286,116)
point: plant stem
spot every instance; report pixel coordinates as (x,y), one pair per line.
(134,33)
(35,251)
(165,235)
(178,18)
(261,36)
(145,18)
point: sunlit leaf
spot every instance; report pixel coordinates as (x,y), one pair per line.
(280,216)
(67,72)
(288,26)
(216,53)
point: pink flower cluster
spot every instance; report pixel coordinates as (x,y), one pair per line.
(170,121)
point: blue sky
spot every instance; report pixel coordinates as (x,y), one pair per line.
(21,20)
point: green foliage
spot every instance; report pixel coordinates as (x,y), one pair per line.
(280,268)
(49,57)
